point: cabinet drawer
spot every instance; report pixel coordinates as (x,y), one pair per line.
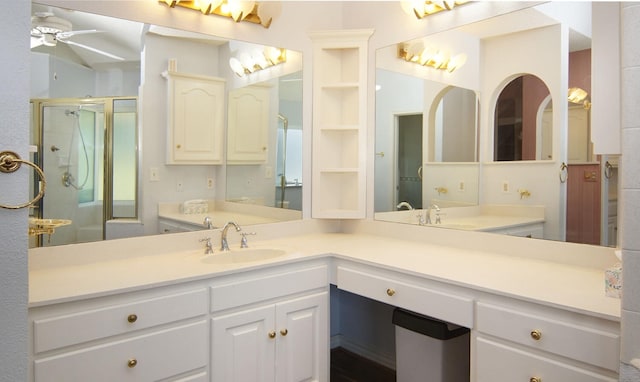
(496,362)
(434,303)
(596,347)
(158,356)
(56,332)
(248,291)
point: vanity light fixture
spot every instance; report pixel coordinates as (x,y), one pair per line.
(245,62)
(430,57)
(422,8)
(238,10)
(579,96)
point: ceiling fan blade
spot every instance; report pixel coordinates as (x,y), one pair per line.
(64,35)
(35,41)
(92,49)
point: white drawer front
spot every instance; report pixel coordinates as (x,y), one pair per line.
(158,355)
(238,293)
(496,362)
(75,328)
(585,344)
(433,303)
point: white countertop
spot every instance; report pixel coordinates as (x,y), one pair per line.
(67,273)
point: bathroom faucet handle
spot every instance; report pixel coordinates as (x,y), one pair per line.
(243,241)
(208,247)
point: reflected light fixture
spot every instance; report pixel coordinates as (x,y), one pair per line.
(579,96)
(430,57)
(247,62)
(422,8)
(238,10)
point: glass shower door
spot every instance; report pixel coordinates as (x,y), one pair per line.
(72,152)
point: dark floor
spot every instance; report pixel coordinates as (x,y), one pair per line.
(350,367)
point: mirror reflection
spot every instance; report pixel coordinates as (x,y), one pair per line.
(123,138)
(536,174)
(523,121)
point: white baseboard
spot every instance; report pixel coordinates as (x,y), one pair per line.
(387,360)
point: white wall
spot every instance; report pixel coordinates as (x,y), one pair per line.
(14,132)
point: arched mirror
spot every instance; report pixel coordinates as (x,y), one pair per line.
(523,121)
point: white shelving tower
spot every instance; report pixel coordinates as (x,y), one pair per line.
(339,123)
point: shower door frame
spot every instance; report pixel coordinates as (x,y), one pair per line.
(37,138)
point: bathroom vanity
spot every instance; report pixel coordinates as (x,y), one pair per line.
(156,309)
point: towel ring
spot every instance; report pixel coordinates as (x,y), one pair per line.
(607,169)
(563,172)
(10,162)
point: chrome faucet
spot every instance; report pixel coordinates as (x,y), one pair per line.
(405,205)
(208,223)
(224,245)
(437,213)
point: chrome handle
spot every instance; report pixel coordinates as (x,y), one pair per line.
(132,363)
(536,334)
(391,291)
(272,334)
(284,332)
(132,318)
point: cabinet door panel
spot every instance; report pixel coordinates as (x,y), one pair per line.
(248,125)
(196,118)
(242,349)
(302,339)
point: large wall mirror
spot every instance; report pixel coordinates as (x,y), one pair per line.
(99,128)
(530,171)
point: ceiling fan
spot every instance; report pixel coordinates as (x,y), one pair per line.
(48,30)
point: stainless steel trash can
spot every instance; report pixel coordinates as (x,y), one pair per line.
(430,350)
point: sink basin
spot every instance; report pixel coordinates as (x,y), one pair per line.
(246,255)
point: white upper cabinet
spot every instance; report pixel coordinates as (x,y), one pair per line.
(195,119)
(248,125)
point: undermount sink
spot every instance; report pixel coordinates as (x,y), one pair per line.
(245,255)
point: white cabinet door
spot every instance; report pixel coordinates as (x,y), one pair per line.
(287,341)
(302,346)
(248,125)
(243,346)
(196,119)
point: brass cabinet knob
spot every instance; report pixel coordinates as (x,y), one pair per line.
(391,291)
(132,362)
(535,379)
(178,146)
(272,334)
(284,332)
(132,318)
(536,334)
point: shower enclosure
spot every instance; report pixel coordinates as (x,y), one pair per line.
(87,149)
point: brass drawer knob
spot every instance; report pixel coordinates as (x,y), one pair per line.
(132,363)
(178,146)
(535,379)
(132,318)
(391,291)
(284,332)
(536,334)
(272,334)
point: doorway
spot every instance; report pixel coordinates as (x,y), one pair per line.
(408,160)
